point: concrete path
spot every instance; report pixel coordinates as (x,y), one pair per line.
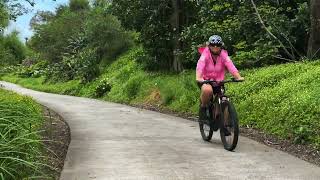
(117,142)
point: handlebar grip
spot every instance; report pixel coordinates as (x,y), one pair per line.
(235,80)
(238,80)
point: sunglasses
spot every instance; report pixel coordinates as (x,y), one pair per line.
(216,45)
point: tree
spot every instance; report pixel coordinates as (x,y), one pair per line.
(15,8)
(314,40)
(176,24)
(270,32)
(75,27)
(53,37)
(4,17)
(105,33)
(79,5)
(159,23)
(12,50)
(41,17)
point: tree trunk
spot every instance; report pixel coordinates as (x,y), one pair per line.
(314,39)
(175,21)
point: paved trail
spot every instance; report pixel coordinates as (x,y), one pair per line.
(117,142)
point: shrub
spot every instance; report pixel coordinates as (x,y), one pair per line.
(104,86)
(86,65)
(83,66)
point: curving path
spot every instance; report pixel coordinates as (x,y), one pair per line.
(118,142)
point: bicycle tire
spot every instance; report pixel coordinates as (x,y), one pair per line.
(206,136)
(232,125)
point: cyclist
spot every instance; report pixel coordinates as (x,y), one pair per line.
(211,66)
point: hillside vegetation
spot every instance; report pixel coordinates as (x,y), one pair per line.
(282,100)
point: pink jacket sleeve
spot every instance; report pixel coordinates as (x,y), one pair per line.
(228,63)
(201,64)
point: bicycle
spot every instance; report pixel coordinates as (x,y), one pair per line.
(222,115)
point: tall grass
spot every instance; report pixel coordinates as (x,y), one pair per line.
(20,144)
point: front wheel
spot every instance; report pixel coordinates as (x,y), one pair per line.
(229,130)
(206,127)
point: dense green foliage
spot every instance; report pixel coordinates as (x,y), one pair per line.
(20,144)
(52,38)
(76,39)
(152,19)
(276,99)
(236,21)
(12,51)
(13,9)
(4,17)
(244,35)
(280,35)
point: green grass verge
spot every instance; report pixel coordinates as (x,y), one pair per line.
(21,149)
(282,100)
(70,87)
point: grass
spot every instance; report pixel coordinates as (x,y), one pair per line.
(70,87)
(20,144)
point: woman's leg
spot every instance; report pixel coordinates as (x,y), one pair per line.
(206,94)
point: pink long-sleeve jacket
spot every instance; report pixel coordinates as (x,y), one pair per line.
(214,71)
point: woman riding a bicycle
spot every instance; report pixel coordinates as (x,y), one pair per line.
(211,66)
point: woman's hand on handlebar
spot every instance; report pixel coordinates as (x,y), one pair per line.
(239,79)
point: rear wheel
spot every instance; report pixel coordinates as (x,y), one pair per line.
(229,130)
(206,127)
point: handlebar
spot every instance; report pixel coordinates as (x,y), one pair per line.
(221,82)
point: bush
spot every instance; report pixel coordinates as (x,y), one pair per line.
(59,72)
(36,70)
(104,86)
(8,69)
(86,65)
(83,66)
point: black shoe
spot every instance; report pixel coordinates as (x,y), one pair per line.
(226,131)
(216,124)
(203,114)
